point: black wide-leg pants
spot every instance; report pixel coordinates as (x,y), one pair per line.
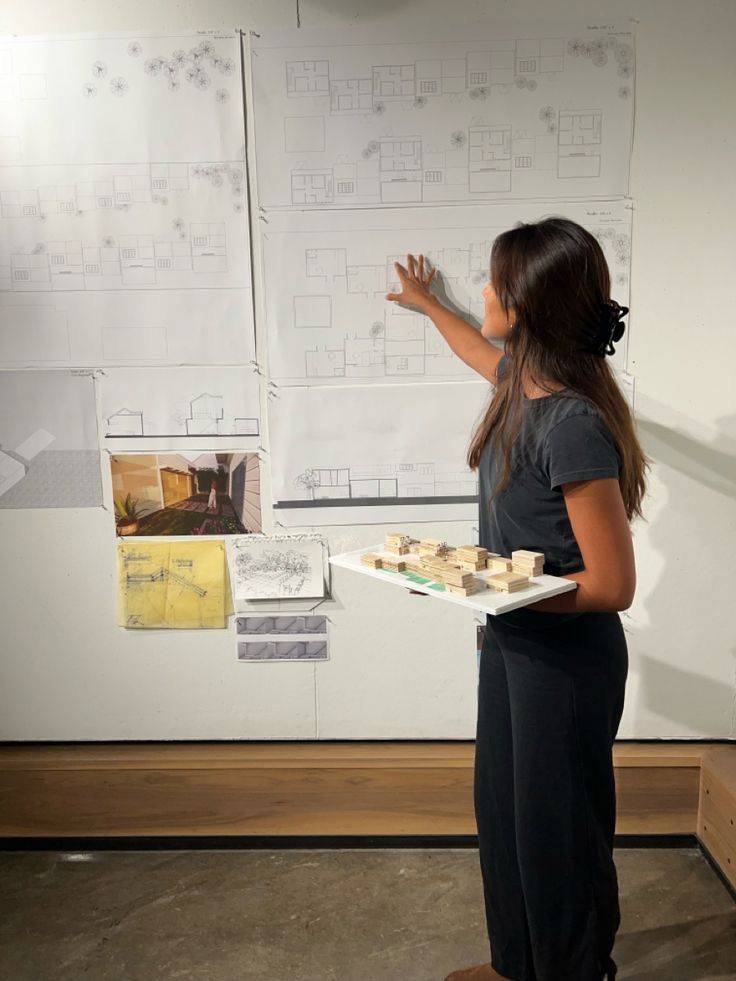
(550,699)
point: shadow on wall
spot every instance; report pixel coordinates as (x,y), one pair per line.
(693,535)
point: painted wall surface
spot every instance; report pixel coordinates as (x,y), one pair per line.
(402,666)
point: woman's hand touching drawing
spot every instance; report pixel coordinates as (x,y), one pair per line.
(415,279)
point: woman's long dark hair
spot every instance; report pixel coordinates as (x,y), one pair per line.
(554,276)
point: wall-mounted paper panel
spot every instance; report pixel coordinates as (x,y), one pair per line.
(70,100)
(49,454)
(124,233)
(471,113)
(143,407)
(374,453)
(326,276)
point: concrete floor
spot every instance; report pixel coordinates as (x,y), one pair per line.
(316,915)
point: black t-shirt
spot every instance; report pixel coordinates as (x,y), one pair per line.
(563,438)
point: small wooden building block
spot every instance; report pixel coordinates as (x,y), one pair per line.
(507,582)
(499,564)
(397,543)
(469,590)
(524,555)
(532,563)
(457,577)
(374,561)
(394,565)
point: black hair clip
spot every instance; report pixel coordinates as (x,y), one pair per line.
(609,328)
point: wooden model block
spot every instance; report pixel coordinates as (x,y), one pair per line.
(397,543)
(471,565)
(432,546)
(507,582)
(374,561)
(499,564)
(524,555)
(397,565)
(434,564)
(461,591)
(456,577)
(414,566)
(471,553)
(474,587)
(531,563)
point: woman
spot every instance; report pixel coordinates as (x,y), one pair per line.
(561,471)
(212,499)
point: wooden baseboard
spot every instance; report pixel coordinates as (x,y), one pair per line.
(300,788)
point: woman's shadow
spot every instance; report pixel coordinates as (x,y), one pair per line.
(680,625)
(682,658)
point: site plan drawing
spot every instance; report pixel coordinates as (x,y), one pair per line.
(123,201)
(462,115)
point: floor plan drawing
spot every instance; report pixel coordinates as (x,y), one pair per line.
(142,405)
(409,463)
(326,277)
(483,117)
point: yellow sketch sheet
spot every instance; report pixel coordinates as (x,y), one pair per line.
(172,584)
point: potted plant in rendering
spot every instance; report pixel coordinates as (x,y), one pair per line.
(127,515)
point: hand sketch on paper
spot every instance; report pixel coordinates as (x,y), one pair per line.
(276,567)
(172,584)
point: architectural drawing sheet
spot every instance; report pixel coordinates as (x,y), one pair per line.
(374,453)
(327,274)
(172,584)
(478,113)
(123,202)
(146,406)
(281,638)
(276,567)
(49,454)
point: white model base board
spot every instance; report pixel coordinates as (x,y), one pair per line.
(486,601)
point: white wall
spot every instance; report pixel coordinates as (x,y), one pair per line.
(402,666)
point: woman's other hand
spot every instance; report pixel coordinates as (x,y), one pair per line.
(415,280)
